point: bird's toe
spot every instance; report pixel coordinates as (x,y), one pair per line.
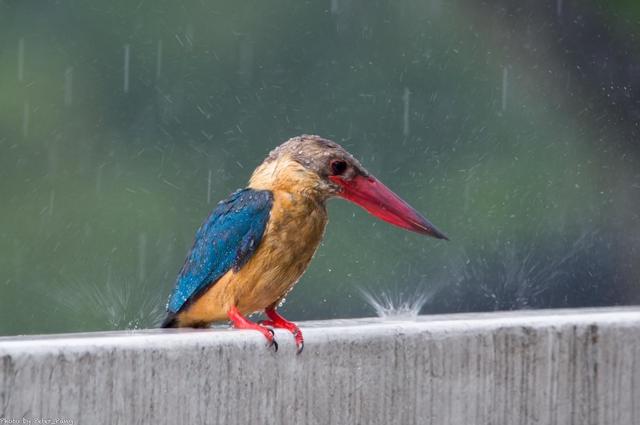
(267,323)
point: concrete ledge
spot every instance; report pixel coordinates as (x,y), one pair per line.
(539,367)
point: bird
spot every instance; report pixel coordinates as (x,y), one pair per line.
(255,245)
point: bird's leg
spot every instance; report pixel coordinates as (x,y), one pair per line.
(277,321)
(241,322)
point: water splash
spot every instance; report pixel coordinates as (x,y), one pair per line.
(115,304)
(396,304)
(508,276)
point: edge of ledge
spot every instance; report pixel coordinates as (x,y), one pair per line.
(318,331)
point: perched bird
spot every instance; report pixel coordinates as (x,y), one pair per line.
(255,245)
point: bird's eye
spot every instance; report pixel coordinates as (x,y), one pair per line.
(338,167)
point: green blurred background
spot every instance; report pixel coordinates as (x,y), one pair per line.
(512,125)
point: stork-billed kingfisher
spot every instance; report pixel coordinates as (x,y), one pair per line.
(255,245)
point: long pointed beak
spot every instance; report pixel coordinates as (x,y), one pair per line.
(370,194)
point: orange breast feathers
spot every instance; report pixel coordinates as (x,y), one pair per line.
(293,233)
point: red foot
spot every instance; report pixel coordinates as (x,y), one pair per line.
(278,321)
(241,322)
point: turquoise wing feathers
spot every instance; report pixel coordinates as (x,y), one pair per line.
(226,240)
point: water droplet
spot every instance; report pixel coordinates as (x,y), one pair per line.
(68,86)
(21,59)
(25,120)
(209,188)
(505,87)
(159,60)
(406,98)
(125,87)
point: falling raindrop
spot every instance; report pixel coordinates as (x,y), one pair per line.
(245,69)
(505,87)
(436,7)
(142,256)
(159,60)
(25,120)
(334,7)
(21,59)
(99,181)
(18,260)
(209,188)
(52,198)
(189,34)
(559,8)
(406,98)
(126,68)
(52,158)
(68,86)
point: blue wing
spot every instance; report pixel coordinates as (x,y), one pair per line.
(227,239)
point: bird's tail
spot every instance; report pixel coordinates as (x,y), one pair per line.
(170,321)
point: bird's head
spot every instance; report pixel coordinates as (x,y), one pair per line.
(320,168)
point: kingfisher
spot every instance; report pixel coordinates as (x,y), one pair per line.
(255,245)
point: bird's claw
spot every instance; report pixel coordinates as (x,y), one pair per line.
(274,344)
(275,321)
(271,340)
(269,325)
(297,335)
(241,322)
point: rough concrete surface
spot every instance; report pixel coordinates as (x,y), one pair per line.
(537,367)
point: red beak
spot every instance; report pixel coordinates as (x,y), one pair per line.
(380,201)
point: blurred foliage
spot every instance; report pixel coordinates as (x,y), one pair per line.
(507,124)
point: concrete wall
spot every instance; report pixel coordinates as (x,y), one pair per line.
(547,367)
